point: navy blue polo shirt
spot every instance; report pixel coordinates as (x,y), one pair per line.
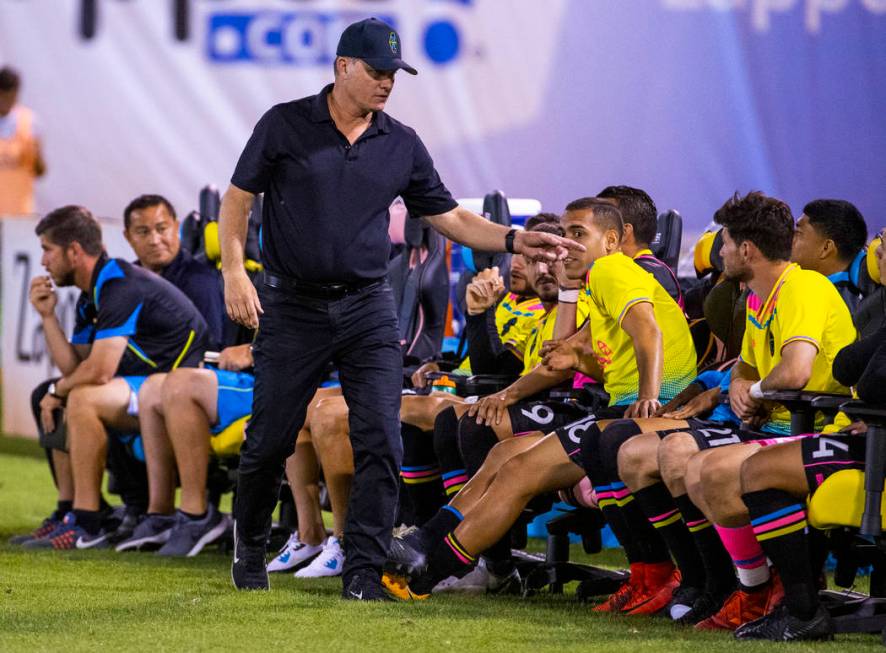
(164,328)
(202,285)
(325,216)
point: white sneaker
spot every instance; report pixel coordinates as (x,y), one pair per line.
(328,563)
(474,582)
(294,553)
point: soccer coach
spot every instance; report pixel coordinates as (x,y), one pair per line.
(330,165)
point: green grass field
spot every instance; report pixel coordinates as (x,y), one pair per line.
(100,600)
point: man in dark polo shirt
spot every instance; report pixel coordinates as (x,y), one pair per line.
(152,230)
(330,165)
(129,323)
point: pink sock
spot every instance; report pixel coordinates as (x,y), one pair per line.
(746,553)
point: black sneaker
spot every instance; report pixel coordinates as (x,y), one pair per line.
(152,531)
(781,626)
(707,604)
(682,601)
(249,570)
(364,585)
(510,583)
(121,525)
(406,555)
(189,536)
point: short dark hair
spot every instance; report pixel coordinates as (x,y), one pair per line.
(637,209)
(548,226)
(762,220)
(840,221)
(606,213)
(144,202)
(541,218)
(71,224)
(10,80)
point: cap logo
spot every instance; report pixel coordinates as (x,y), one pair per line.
(392,41)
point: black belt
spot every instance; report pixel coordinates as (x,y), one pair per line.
(320,290)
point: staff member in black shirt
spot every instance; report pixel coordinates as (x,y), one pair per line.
(330,165)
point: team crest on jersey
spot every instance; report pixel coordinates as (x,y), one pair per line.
(392,41)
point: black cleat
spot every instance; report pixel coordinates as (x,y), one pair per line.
(682,602)
(249,570)
(781,626)
(364,585)
(407,556)
(707,604)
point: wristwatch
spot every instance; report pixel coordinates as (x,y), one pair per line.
(52,393)
(509,241)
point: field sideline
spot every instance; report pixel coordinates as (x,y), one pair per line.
(99,600)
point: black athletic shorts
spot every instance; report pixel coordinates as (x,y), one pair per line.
(544,416)
(824,455)
(574,436)
(709,435)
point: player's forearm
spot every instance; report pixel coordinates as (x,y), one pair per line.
(61,351)
(565,324)
(648,349)
(232,227)
(87,373)
(785,376)
(538,380)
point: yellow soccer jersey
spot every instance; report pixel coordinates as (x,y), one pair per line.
(803,306)
(615,283)
(514,320)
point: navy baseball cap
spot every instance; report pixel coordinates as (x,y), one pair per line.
(376,43)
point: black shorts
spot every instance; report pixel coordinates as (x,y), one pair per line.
(824,455)
(575,436)
(544,416)
(709,435)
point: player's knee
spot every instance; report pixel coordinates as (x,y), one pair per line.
(180,385)
(150,395)
(674,453)
(636,461)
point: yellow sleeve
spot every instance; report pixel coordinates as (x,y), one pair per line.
(617,285)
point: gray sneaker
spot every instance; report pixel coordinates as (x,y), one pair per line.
(190,535)
(152,530)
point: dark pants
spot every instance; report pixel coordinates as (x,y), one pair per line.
(297,338)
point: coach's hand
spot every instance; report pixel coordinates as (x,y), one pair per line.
(241,299)
(42,296)
(491,408)
(542,246)
(47,405)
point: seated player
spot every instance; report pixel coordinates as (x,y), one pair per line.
(788,343)
(130,323)
(636,340)
(152,230)
(775,482)
(830,235)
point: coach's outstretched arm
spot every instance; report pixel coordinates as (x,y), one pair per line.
(241,298)
(468,228)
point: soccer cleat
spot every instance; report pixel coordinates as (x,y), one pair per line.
(742,607)
(248,571)
(49,524)
(188,536)
(407,555)
(624,594)
(70,535)
(656,597)
(781,626)
(153,530)
(508,584)
(656,575)
(328,563)
(294,553)
(397,587)
(707,604)
(364,585)
(682,601)
(474,582)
